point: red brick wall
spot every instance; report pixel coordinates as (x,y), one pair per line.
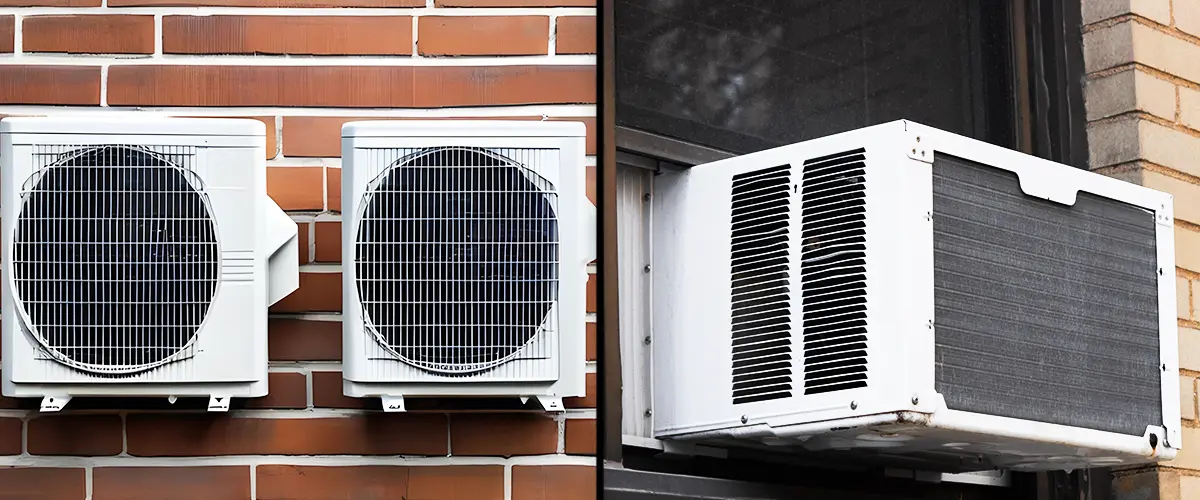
(303,67)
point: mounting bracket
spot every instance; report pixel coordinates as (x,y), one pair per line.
(392,403)
(218,403)
(54,403)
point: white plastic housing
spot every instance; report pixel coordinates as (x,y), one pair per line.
(553,151)
(256,243)
(898,416)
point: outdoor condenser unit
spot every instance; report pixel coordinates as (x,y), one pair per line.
(470,242)
(905,295)
(140,255)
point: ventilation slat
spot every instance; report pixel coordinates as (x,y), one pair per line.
(833,272)
(760,267)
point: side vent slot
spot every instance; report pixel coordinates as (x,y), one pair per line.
(762,344)
(833,278)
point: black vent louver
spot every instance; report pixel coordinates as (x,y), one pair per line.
(761,303)
(833,272)
(115,256)
(457,257)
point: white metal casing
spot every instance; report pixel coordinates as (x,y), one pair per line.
(371,370)
(899,408)
(256,241)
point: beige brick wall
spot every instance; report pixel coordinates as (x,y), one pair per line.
(1142,59)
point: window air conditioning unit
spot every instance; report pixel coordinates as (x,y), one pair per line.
(904,295)
(467,245)
(140,256)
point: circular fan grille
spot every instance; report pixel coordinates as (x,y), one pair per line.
(115,258)
(456,258)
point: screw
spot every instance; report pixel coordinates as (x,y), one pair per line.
(648,413)
(928,215)
(916,400)
(646,269)
(922,152)
(854,405)
(929,324)
(1160,271)
(918,138)
(744,419)
(646,340)
(914,150)
(646,197)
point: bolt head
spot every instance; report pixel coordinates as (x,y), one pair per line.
(744,419)
(916,400)
(854,405)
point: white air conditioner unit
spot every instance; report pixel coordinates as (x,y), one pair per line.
(140,256)
(466,246)
(904,295)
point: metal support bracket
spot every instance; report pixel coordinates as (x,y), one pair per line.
(392,404)
(218,403)
(550,403)
(54,403)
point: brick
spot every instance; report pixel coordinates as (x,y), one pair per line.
(327,393)
(183,483)
(483,35)
(297,188)
(61,85)
(333,189)
(589,400)
(1187,397)
(1130,139)
(50,3)
(374,86)
(590,335)
(553,482)
(286,391)
(1187,16)
(1183,297)
(306,35)
(1158,11)
(304,340)
(580,436)
(1187,195)
(10,436)
(1129,41)
(515,3)
(1129,91)
(7,33)
(591,293)
(1189,348)
(1187,244)
(576,35)
(42,483)
(89,34)
(267,3)
(1189,488)
(160,435)
(329,241)
(318,292)
(302,482)
(302,240)
(1189,107)
(1147,484)
(321,136)
(503,434)
(85,435)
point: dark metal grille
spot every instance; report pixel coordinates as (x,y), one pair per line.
(457,256)
(833,272)
(762,343)
(1044,312)
(115,256)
